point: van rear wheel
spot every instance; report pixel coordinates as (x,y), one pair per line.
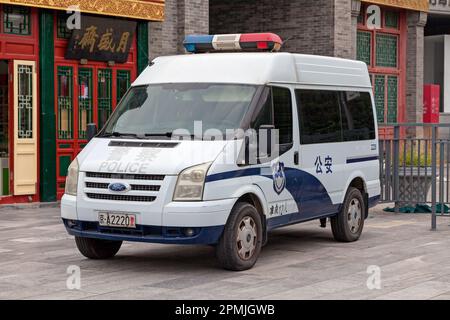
(97,248)
(240,244)
(348,224)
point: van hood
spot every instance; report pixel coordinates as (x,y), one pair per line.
(165,157)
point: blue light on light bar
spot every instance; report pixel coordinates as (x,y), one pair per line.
(194,43)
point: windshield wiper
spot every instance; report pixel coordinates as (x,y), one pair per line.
(165,134)
(121,134)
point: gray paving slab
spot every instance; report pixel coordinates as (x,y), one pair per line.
(299,262)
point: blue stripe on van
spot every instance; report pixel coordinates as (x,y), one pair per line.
(362,159)
(234,174)
(307,191)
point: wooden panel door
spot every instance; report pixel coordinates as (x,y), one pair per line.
(25,128)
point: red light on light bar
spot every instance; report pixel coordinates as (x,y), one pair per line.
(260,37)
(261,41)
(262,45)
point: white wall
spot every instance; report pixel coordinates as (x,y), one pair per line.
(445,90)
(437,66)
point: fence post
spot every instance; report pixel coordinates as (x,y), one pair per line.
(396,166)
(433,176)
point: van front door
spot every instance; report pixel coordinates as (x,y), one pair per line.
(25,128)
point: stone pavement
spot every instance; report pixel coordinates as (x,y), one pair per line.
(299,262)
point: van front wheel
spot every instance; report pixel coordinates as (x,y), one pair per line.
(348,224)
(97,248)
(241,241)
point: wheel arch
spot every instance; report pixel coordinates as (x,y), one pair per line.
(358,181)
(255,197)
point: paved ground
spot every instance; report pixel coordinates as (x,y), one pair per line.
(300,262)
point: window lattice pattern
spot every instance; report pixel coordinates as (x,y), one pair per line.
(65,103)
(363,47)
(62,31)
(84,101)
(387,49)
(379,91)
(123,83)
(25,102)
(16,20)
(392,19)
(392,99)
(104,96)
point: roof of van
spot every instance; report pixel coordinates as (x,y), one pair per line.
(256,68)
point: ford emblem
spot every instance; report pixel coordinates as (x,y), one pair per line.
(119,187)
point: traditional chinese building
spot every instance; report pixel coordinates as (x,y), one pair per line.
(386,34)
(437,53)
(55,79)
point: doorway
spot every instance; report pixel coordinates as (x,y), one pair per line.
(4,130)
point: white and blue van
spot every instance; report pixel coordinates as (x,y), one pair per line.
(221,148)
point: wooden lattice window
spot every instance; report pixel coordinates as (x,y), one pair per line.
(104,96)
(62,32)
(16,20)
(65,102)
(387,49)
(85,105)
(123,83)
(386,97)
(25,102)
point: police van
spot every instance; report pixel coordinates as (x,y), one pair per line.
(220,148)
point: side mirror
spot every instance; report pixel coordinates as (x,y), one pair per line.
(91,131)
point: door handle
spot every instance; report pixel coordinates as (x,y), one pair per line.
(296,158)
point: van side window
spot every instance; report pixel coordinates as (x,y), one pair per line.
(357,116)
(276,110)
(282,104)
(264,113)
(319,116)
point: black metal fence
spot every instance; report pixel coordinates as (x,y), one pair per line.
(415,167)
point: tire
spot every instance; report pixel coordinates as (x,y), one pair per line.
(241,241)
(348,224)
(97,248)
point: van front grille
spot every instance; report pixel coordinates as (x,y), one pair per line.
(120,197)
(143,187)
(128,176)
(134,187)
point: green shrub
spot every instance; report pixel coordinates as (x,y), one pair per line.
(415,160)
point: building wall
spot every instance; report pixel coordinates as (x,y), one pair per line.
(182,17)
(321,27)
(415,66)
(306,26)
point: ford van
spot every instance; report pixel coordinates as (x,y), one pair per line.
(224,144)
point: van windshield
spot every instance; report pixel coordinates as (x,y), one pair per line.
(168,109)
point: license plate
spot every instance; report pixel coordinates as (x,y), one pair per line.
(115,219)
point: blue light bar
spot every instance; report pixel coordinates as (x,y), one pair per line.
(233,42)
(196,43)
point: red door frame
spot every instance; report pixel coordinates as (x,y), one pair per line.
(20,47)
(76,143)
(400,71)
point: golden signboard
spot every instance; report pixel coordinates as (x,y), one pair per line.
(418,5)
(138,9)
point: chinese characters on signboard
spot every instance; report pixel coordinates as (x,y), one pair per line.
(101,39)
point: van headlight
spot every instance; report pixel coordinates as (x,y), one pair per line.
(191,182)
(72,178)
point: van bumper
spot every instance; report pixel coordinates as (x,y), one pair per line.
(151,234)
(206,218)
